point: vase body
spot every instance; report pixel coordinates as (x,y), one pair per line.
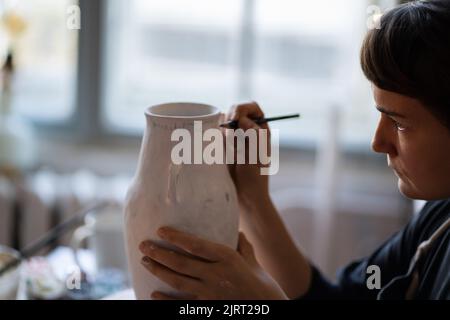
(196,198)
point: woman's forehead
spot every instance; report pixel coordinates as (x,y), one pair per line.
(396,104)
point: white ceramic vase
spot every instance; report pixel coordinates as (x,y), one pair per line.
(196,198)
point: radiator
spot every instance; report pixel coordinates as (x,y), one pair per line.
(30,208)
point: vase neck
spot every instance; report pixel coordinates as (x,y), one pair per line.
(170,124)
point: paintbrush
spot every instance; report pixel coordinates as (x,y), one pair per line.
(234,124)
(52,235)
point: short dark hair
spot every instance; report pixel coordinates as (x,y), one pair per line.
(410,54)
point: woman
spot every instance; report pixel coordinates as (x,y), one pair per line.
(407,62)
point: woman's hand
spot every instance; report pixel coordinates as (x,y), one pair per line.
(208,270)
(251,185)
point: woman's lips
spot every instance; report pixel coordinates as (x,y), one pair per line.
(396,172)
(393,168)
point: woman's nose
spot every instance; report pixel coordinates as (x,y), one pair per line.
(384,139)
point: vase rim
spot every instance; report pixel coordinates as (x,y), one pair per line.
(182,110)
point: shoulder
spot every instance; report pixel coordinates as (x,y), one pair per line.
(431,217)
(438,205)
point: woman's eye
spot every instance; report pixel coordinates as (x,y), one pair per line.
(398,125)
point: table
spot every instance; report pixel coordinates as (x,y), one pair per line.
(122,295)
(62,259)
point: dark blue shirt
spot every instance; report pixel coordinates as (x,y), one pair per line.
(393,259)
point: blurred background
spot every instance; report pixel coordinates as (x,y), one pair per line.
(73,101)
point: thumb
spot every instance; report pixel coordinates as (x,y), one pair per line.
(222,118)
(245,249)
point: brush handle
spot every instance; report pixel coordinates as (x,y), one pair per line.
(51,236)
(234,124)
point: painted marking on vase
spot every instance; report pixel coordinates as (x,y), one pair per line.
(173,192)
(181,125)
(208,203)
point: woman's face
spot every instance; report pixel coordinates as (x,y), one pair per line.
(417,146)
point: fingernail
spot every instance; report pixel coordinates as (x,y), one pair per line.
(146,245)
(146,261)
(162,232)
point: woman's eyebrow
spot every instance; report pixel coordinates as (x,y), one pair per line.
(390,113)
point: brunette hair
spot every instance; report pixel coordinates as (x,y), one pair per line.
(410,54)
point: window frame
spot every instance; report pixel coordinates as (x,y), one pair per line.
(85,124)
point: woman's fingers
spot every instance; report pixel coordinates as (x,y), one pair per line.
(173,260)
(245,113)
(194,245)
(249,109)
(246,249)
(177,281)
(162,296)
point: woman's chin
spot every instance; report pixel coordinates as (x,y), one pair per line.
(407,190)
(411,192)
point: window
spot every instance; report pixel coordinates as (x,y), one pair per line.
(162,51)
(289,55)
(45,55)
